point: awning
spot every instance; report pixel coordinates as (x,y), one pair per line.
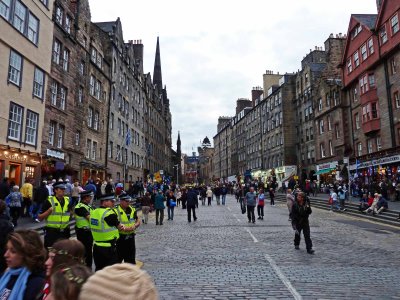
(324,171)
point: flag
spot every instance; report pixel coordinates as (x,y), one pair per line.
(128,138)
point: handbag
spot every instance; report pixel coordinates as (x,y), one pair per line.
(330,200)
(172,203)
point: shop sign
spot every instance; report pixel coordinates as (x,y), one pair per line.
(54,153)
(14,156)
(376,162)
(331,165)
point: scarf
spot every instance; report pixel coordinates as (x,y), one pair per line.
(19,287)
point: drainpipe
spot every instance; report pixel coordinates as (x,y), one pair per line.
(389,100)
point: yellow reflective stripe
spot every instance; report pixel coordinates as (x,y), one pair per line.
(103,230)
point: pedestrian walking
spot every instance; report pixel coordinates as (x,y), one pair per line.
(25,256)
(4,188)
(224,191)
(260,204)
(127,215)
(272,196)
(56,212)
(342,198)
(159,207)
(27,195)
(82,226)
(178,197)
(40,197)
(217,193)
(171,203)
(301,211)
(146,203)
(209,194)
(191,204)
(14,202)
(105,226)
(250,202)
(289,202)
(334,200)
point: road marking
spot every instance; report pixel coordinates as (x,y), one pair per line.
(283,278)
(252,236)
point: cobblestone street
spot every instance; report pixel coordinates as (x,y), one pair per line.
(222,256)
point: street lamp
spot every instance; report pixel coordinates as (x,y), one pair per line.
(177,172)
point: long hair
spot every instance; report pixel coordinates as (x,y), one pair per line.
(29,245)
(68,253)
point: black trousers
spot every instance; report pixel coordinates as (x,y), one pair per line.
(209,200)
(260,210)
(126,248)
(191,209)
(159,216)
(104,256)
(15,213)
(250,213)
(305,227)
(52,235)
(86,238)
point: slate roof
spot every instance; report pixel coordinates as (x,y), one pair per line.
(317,67)
(367,20)
(106,26)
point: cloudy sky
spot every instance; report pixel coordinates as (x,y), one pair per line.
(215,51)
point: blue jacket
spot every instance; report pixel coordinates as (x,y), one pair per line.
(159,201)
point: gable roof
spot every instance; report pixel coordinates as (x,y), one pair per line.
(106,26)
(366,20)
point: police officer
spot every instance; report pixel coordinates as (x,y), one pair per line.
(127,215)
(82,227)
(56,212)
(104,225)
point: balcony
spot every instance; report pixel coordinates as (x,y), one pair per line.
(370,96)
(371,126)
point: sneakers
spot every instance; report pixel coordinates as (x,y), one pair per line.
(311,251)
(297,247)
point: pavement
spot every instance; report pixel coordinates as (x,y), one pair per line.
(222,256)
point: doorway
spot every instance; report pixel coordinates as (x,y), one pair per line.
(15,174)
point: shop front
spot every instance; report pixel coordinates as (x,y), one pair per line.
(18,166)
(54,165)
(92,171)
(327,172)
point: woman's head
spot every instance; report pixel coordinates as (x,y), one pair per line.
(300,197)
(25,249)
(64,253)
(66,283)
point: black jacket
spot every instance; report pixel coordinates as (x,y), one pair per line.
(300,213)
(191,198)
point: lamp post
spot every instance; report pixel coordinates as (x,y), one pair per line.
(177,173)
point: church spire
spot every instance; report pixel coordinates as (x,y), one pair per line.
(178,145)
(157,75)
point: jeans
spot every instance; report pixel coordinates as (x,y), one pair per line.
(260,211)
(36,208)
(250,213)
(218,199)
(223,199)
(171,212)
(203,201)
(336,204)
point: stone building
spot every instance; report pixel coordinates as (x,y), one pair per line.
(26,35)
(222,149)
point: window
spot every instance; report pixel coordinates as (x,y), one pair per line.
(357,120)
(321,126)
(374,110)
(19,16)
(45,2)
(337,131)
(383,35)
(91,85)
(320,104)
(119,156)
(396,99)
(63,97)
(364,52)
(93,55)
(90,117)
(110,149)
(56,51)
(59,15)
(369,146)
(322,150)
(371,46)
(112,121)
(52,130)
(378,143)
(53,90)
(5,8)
(355,94)
(371,80)
(66,59)
(349,66)
(80,94)
(119,126)
(15,68)
(359,149)
(38,83)
(330,148)
(82,67)
(363,84)
(365,113)
(393,66)
(77,138)
(33,28)
(394,23)
(60,136)
(97,90)
(88,148)
(15,122)
(329,123)
(31,127)
(356,59)
(94,150)
(67,25)
(96,121)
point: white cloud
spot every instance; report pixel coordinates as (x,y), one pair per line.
(214,51)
